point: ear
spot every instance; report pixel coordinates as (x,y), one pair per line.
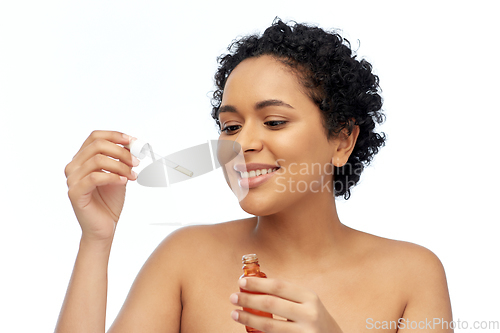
(344,146)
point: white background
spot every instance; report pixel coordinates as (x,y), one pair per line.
(146,69)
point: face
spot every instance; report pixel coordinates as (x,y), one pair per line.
(265,110)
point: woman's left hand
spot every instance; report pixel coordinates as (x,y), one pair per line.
(300,306)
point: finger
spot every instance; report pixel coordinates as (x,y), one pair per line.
(112,136)
(104,147)
(101,163)
(264,324)
(281,288)
(271,304)
(93,180)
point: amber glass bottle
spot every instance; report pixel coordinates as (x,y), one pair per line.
(251,268)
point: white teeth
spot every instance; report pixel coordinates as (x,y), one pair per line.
(255,173)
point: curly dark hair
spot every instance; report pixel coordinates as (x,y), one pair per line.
(344,88)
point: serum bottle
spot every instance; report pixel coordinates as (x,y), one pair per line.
(251,268)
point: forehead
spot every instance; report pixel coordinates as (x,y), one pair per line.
(262,78)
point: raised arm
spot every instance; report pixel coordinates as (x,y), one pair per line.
(97,198)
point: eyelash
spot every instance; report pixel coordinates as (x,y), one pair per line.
(281,122)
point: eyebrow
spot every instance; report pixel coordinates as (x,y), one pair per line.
(258,106)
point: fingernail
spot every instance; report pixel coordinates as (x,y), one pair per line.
(235,315)
(134,174)
(126,137)
(135,161)
(243,282)
(234,299)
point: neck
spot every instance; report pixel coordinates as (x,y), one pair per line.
(307,230)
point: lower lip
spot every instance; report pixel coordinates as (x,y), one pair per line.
(254,181)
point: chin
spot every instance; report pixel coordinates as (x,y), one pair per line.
(259,206)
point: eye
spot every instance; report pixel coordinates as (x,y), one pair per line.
(275,123)
(272,123)
(230,129)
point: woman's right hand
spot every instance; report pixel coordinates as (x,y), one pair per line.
(97,196)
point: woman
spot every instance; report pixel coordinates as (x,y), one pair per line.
(297,101)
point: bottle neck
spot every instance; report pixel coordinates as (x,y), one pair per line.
(251,269)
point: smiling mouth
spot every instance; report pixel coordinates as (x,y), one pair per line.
(256,173)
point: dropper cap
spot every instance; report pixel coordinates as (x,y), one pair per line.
(249,258)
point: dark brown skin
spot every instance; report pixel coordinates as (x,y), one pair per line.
(322,275)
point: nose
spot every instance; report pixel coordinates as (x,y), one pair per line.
(248,138)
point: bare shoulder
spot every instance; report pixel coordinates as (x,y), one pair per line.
(191,239)
(155,300)
(408,257)
(414,270)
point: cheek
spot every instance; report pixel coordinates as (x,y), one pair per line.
(308,163)
(311,150)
